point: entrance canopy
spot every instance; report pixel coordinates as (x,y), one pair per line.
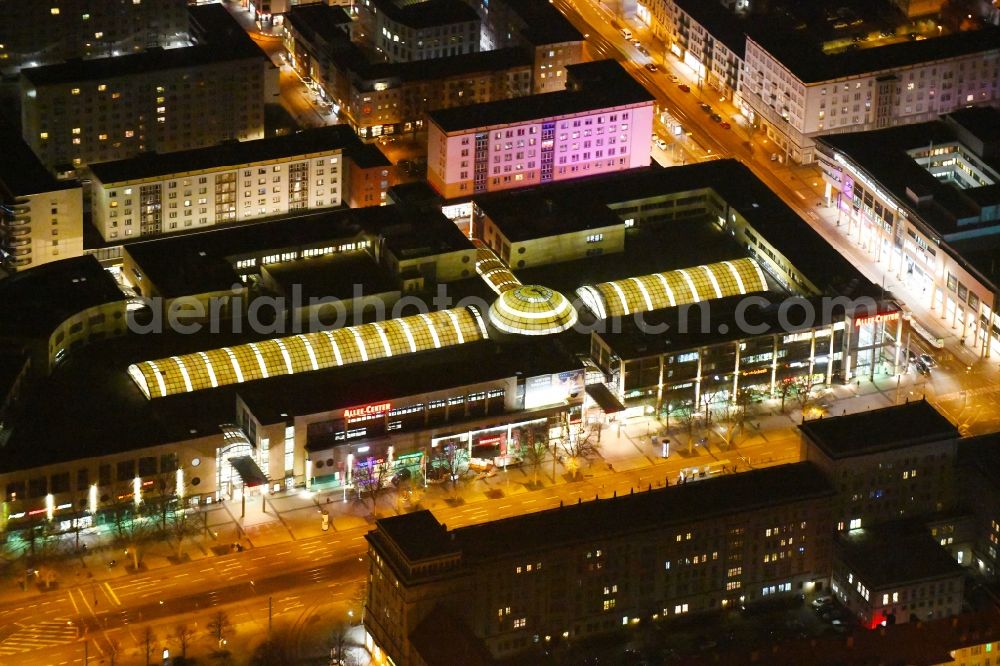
(605,399)
(249,472)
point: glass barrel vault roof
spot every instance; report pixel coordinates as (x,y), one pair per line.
(672,288)
(307,352)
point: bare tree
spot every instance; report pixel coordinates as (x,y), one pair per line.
(277,650)
(219,627)
(785,389)
(687,419)
(805,391)
(535,452)
(370,478)
(148,639)
(130,527)
(583,448)
(183,635)
(338,641)
(453,459)
(733,416)
(113,650)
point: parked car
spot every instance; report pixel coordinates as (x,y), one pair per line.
(716,118)
(651,66)
(705,107)
(403,474)
(928,360)
(923,368)
(819,602)
(684,87)
(661,144)
(725,125)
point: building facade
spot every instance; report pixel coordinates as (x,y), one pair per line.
(795,99)
(553,136)
(41,218)
(82,112)
(587,569)
(154,194)
(923,205)
(379,98)
(405,31)
(38,33)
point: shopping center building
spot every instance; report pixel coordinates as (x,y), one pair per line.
(516,353)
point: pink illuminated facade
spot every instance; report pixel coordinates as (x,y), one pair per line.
(569,134)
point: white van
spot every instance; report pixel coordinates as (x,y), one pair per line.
(626,33)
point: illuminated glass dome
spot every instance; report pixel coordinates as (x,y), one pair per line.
(532,310)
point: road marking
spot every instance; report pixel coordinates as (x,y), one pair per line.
(72,600)
(38,636)
(111,594)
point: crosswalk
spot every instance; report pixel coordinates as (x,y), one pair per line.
(38,636)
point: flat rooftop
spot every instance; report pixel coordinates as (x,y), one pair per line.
(232,154)
(551,209)
(91,401)
(605,84)
(630,341)
(543,23)
(651,510)
(894,554)
(202,262)
(42,298)
(334,275)
(803,54)
(879,430)
(427,13)
(224,40)
(885,156)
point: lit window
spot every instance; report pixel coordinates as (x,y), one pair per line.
(54,11)
(75,91)
(44,135)
(76,130)
(102,87)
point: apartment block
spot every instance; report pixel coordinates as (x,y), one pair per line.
(41,218)
(538,27)
(706,37)
(404,30)
(232,182)
(795,90)
(896,573)
(44,33)
(589,568)
(81,112)
(379,98)
(889,464)
(599,124)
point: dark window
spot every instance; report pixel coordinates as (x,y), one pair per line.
(37,487)
(104,475)
(15,489)
(168,463)
(126,470)
(82,479)
(60,482)
(147,466)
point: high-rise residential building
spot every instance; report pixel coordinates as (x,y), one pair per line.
(42,33)
(80,112)
(406,30)
(600,123)
(232,182)
(41,218)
